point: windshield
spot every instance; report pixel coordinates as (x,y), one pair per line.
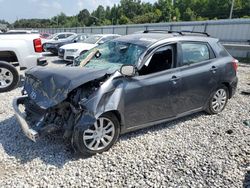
(72,37)
(92,39)
(112,55)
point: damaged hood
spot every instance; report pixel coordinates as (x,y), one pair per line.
(49,86)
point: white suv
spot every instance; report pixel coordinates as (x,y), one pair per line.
(70,51)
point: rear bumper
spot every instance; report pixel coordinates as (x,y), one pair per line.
(30,133)
(53,50)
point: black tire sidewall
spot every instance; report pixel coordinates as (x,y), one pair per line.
(210,109)
(15,74)
(78,137)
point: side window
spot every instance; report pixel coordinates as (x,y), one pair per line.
(194,52)
(61,36)
(162,59)
(68,35)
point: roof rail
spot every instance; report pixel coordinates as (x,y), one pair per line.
(179,32)
(196,32)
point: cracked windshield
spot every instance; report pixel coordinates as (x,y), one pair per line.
(112,55)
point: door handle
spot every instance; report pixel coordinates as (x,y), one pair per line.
(174,79)
(213,69)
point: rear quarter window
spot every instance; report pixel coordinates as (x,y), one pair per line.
(221,50)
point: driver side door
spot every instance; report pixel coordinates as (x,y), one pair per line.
(152,97)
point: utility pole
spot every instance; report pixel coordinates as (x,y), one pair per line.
(231,11)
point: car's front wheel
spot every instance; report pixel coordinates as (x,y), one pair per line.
(99,137)
(9,77)
(218,100)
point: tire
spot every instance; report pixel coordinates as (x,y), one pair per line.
(93,138)
(218,100)
(9,77)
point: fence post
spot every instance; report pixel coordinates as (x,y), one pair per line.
(170,27)
(205,27)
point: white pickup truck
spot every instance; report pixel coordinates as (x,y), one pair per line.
(24,50)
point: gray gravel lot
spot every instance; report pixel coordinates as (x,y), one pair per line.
(195,151)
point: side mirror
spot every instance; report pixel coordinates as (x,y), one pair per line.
(127,70)
(56,38)
(75,41)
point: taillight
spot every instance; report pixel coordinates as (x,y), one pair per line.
(235,64)
(38,45)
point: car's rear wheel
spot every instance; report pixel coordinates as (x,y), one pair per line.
(99,137)
(218,100)
(9,77)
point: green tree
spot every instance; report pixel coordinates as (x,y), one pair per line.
(135,11)
(83,17)
(189,15)
(131,8)
(124,20)
(100,14)
(166,8)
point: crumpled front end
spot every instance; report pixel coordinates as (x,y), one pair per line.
(51,102)
(48,87)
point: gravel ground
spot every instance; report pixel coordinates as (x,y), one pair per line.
(195,151)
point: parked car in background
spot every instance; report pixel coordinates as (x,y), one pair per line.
(21,49)
(126,84)
(70,51)
(22,32)
(44,35)
(58,36)
(53,46)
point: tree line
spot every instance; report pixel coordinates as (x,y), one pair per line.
(136,12)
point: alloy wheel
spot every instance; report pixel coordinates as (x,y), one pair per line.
(99,135)
(6,77)
(219,100)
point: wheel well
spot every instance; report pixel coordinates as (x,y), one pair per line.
(229,88)
(117,114)
(8,56)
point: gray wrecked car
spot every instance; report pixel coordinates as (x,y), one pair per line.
(126,84)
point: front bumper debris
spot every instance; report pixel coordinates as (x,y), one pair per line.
(30,133)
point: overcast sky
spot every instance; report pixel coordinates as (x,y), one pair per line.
(10,10)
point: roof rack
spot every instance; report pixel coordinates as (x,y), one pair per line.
(196,32)
(179,32)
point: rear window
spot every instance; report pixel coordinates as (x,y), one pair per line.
(194,52)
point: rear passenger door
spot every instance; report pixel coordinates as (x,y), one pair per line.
(198,75)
